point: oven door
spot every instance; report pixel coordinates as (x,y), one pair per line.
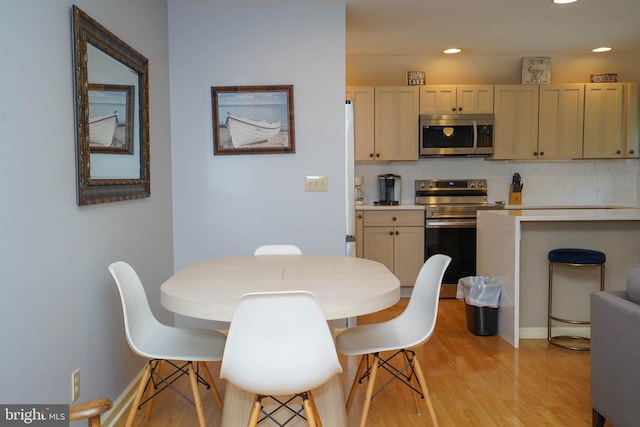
(457,239)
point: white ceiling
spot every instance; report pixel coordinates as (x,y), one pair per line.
(486,27)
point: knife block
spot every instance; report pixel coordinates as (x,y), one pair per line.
(514,198)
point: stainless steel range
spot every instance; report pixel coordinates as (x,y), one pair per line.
(450,224)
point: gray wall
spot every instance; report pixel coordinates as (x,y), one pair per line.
(59,308)
(228,205)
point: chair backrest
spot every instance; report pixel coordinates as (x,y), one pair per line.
(278,250)
(421,313)
(279,343)
(139,321)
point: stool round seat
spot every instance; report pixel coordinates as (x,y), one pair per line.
(577,256)
(573,258)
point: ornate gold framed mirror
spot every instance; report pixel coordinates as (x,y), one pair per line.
(111,113)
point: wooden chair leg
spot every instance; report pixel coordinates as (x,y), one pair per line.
(213,388)
(196,396)
(354,386)
(309,412)
(369,395)
(255,412)
(150,390)
(138,397)
(425,390)
(316,414)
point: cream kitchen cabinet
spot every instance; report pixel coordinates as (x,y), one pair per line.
(363,99)
(560,121)
(515,134)
(460,99)
(538,121)
(396,123)
(385,122)
(611,120)
(394,238)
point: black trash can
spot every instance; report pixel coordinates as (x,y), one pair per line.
(481,298)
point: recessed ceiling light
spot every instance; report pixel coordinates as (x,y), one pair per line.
(452,50)
(601,49)
(563,1)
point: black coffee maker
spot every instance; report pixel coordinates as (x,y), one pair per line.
(389,189)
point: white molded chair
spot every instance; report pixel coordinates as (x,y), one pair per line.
(411,328)
(279,343)
(163,344)
(278,250)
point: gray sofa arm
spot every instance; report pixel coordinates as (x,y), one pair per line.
(615,358)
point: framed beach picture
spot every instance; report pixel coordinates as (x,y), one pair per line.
(253,119)
(111,118)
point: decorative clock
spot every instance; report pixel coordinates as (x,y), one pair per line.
(536,70)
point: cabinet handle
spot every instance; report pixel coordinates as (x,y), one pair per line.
(618,152)
(542,153)
(394,218)
(370,154)
(377,154)
(459,108)
(453,109)
(391,233)
(360,216)
(397,232)
(631,152)
(535,153)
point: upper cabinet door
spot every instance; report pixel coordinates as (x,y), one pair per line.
(363,117)
(560,121)
(396,123)
(604,120)
(439,99)
(516,129)
(475,99)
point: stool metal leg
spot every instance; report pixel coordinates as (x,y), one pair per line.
(554,340)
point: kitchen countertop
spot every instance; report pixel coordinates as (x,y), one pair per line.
(573,214)
(390,208)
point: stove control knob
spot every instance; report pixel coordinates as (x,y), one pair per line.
(431,185)
(481,185)
(472,184)
(421,185)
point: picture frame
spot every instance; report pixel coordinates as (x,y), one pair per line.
(536,70)
(111,121)
(253,119)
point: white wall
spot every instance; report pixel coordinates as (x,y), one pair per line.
(59,308)
(228,205)
(553,182)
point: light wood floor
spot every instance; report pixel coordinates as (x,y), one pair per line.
(474,381)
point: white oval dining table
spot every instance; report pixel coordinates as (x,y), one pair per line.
(345,287)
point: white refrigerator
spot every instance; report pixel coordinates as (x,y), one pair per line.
(350,232)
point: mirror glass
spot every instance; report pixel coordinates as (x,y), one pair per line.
(111,94)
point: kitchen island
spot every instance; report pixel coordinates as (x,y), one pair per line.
(512,248)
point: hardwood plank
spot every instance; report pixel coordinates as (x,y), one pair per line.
(474,381)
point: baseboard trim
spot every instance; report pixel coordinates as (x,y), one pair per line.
(122,404)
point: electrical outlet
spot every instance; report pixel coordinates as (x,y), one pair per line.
(75,384)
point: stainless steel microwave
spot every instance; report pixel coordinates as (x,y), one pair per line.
(456,135)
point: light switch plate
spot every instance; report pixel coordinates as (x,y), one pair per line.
(316,183)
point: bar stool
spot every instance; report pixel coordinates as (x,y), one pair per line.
(576,258)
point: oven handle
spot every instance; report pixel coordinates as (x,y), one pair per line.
(452,224)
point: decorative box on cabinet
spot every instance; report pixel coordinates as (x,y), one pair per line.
(460,99)
(395,238)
